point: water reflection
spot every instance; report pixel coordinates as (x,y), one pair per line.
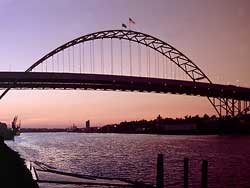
(134,156)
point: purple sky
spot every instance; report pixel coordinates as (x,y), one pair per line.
(214,34)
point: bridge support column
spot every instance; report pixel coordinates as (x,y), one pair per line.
(245,107)
(230,106)
(220,108)
(226,107)
(239,107)
(233,107)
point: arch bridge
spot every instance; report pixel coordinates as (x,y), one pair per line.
(126,60)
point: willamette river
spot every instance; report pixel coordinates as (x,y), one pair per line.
(134,156)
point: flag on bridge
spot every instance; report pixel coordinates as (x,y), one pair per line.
(124,25)
(131,21)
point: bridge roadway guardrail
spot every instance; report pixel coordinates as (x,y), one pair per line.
(46,80)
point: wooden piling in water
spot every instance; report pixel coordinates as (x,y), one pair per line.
(185,172)
(160,172)
(204,174)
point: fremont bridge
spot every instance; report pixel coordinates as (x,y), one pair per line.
(126,60)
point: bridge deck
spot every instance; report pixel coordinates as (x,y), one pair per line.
(42,80)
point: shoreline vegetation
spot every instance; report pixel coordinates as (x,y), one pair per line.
(14,173)
(189,125)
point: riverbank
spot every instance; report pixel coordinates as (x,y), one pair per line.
(166,126)
(14,173)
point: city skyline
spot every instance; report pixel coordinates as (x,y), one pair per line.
(212,34)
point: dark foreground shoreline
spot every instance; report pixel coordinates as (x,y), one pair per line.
(13,173)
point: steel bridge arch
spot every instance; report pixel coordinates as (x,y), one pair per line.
(182,61)
(174,55)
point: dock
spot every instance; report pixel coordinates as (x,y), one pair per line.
(48,176)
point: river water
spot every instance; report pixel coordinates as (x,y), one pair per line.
(134,156)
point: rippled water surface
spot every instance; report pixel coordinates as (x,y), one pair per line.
(134,156)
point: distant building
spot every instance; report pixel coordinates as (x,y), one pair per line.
(88,125)
(159,120)
(180,127)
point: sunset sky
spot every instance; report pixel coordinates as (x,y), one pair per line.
(213,34)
